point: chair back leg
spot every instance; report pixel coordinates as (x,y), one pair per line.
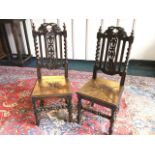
(35,111)
(79,109)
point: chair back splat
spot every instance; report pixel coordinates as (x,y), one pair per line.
(50,47)
(112,52)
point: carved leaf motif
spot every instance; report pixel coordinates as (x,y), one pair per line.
(111,54)
(50,48)
(49,27)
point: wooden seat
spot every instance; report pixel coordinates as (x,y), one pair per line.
(102,90)
(112,56)
(51,86)
(51,53)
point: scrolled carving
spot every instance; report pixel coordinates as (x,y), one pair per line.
(50,49)
(111,53)
(109,50)
(49,27)
(51,38)
(115,31)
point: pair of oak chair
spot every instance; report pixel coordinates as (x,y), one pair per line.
(112,46)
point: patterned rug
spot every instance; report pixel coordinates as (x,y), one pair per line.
(136,114)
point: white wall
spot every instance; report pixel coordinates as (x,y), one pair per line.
(143,47)
(144,44)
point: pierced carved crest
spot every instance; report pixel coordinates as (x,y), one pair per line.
(49,27)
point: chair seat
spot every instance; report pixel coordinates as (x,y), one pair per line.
(102,90)
(48,86)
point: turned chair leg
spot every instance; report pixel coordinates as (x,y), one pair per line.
(35,111)
(79,110)
(113,111)
(92,104)
(69,107)
(41,103)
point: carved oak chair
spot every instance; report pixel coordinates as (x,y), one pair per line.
(53,42)
(112,46)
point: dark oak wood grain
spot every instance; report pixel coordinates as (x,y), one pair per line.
(109,60)
(51,56)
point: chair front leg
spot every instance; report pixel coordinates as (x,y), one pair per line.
(79,109)
(113,113)
(69,107)
(35,111)
(92,104)
(41,103)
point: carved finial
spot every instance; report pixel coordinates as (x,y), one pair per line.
(100,29)
(64,26)
(32,25)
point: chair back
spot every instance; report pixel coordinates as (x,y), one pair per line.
(112,52)
(50,47)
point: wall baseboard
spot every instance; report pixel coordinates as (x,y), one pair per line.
(148,63)
(136,67)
